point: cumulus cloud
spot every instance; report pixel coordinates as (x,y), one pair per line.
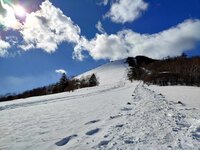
(103,46)
(123,11)
(99,27)
(7,17)
(3,48)
(61,71)
(45,31)
(171,42)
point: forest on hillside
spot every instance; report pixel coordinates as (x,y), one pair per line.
(179,70)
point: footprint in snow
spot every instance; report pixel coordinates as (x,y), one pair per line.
(93,121)
(128,142)
(126,109)
(103,143)
(64,141)
(92,132)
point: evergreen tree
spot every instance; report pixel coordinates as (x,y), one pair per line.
(63,83)
(93,80)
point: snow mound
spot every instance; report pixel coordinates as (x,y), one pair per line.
(110,73)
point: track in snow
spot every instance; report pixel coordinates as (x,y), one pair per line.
(152,122)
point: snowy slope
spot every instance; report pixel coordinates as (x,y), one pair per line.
(110,73)
(115,115)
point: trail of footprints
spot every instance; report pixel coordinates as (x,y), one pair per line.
(64,141)
(104,142)
(67,139)
(124,111)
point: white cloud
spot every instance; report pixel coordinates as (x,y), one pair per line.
(41,30)
(103,46)
(48,27)
(61,71)
(26,46)
(171,42)
(99,27)
(7,18)
(3,48)
(123,11)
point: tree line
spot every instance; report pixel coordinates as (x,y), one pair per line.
(64,84)
(181,69)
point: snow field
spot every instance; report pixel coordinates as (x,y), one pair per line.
(116,115)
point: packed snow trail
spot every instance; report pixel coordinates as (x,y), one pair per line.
(152,122)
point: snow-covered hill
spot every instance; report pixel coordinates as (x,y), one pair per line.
(115,115)
(110,73)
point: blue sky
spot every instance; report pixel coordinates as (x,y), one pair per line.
(71,39)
